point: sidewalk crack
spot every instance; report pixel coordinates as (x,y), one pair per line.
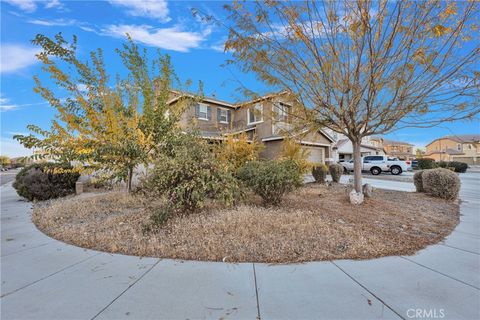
(123,292)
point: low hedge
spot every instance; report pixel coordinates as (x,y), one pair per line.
(43,181)
(426,163)
(441,183)
(319,173)
(271,179)
(336,171)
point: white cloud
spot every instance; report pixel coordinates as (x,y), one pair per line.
(7,107)
(24,5)
(16,57)
(147,8)
(53,4)
(12,148)
(166,38)
(31,5)
(55,22)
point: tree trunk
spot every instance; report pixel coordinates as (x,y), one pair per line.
(357,166)
(129,180)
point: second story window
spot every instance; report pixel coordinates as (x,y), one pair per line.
(281,112)
(255,114)
(459,147)
(223,115)
(203,112)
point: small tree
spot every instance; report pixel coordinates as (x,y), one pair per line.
(418,153)
(105,125)
(236,150)
(363,68)
(4,161)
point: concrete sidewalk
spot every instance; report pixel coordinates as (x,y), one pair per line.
(46,279)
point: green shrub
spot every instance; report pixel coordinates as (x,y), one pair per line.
(426,163)
(319,173)
(189,175)
(418,181)
(336,171)
(43,181)
(442,164)
(458,166)
(441,183)
(272,179)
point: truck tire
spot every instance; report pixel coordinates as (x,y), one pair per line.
(395,170)
(375,171)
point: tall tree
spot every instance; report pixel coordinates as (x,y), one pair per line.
(104,125)
(363,68)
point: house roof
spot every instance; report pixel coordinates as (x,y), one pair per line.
(293,134)
(203,98)
(461,138)
(264,97)
(394,142)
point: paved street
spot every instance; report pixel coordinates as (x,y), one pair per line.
(46,279)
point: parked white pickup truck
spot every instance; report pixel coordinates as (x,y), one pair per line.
(379,164)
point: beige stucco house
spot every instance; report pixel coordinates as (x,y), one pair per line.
(399,149)
(266,119)
(463,148)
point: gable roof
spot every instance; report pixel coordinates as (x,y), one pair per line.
(203,98)
(460,138)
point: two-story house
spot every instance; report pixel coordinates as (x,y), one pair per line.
(463,148)
(399,149)
(343,148)
(267,119)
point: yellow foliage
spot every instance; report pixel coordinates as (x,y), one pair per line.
(237,150)
(292,150)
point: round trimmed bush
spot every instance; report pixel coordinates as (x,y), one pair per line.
(458,166)
(43,181)
(418,181)
(441,183)
(336,171)
(319,173)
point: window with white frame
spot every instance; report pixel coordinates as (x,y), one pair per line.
(222,115)
(281,111)
(202,111)
(255,114)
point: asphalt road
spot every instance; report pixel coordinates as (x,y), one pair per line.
(7,176)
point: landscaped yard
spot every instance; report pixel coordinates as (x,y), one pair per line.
(316,222)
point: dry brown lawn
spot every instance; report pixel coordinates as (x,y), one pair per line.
(314,223)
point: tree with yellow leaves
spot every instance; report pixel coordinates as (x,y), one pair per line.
(363,68)
(105,125)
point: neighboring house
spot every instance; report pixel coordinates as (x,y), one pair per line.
(463,148)
(399,149)
(343,148)
(267,119)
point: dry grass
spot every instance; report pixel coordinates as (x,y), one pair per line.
(314,223)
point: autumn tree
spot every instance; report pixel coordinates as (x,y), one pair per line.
(4,161)
(363,68)
(104,125)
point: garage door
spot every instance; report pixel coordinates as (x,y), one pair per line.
(315,154)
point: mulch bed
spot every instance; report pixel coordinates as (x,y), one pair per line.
(316,222)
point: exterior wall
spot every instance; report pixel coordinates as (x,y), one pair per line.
(272,149)
(188,119)
(439,157)
(441,145)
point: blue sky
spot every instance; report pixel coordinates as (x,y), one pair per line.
(196,49)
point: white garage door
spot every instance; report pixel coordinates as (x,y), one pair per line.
(315,154)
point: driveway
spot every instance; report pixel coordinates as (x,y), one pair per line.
(46,279)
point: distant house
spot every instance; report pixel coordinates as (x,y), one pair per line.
(463,148)
(267,119)
(399,149)
(343,148)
